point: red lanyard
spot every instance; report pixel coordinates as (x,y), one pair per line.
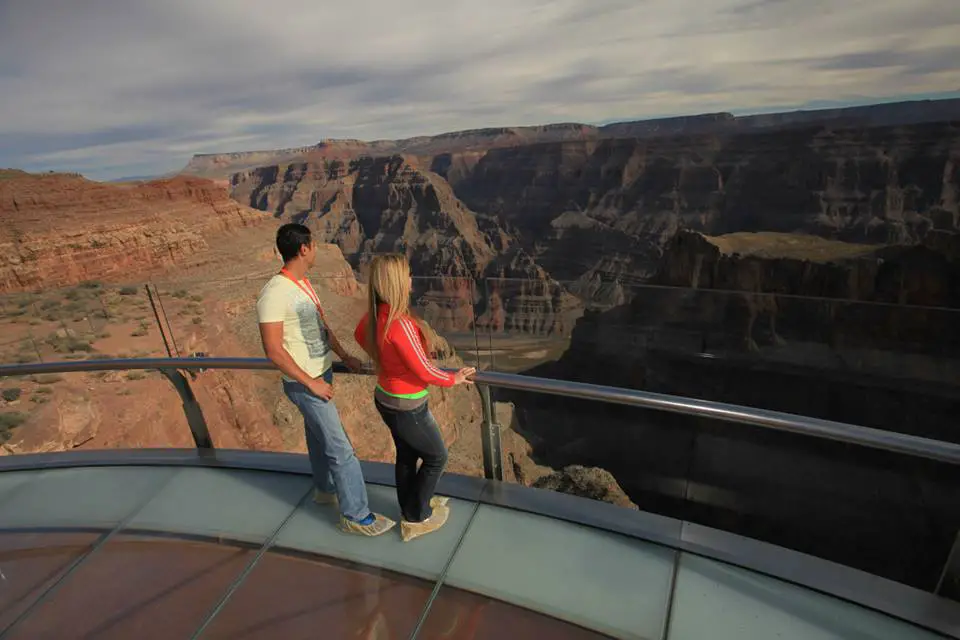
(308,289)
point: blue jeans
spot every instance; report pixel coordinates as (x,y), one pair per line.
(418,440)
(332,459)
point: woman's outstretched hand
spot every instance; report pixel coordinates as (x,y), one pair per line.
(461,377)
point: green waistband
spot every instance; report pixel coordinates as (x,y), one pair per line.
(407,396)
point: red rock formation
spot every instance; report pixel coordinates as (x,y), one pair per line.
(62,229)
(373,205)
(383,204)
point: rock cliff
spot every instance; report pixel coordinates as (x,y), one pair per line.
(778,287)
(387,204)
(449,153)
(374,205)
(594,207)
(591,210)
(620,200)
(62,229)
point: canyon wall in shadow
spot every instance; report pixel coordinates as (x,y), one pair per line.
(854,333)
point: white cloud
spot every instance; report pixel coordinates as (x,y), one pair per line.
(100,84)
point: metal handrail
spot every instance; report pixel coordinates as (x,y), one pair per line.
(863,436)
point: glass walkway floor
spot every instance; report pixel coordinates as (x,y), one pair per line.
(161,550)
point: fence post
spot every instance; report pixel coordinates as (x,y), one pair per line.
(949,584)
(191,408)
(490,437)
(156,315)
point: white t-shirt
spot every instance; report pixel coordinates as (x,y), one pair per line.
(304,332)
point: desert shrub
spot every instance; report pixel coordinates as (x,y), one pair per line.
(11,420)
(69,344)
(79,345)
(129,291)
(136,375)
(43,390)
(39,399)
(12,394)
(198,320)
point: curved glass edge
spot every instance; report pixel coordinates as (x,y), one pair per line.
(911,605)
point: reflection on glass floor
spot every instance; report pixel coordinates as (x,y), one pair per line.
(163,552)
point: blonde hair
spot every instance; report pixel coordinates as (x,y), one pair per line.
(389,282)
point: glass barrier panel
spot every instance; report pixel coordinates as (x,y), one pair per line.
(249,409)
(886,366)
(213,318)
(525,323)
(447,307)
(87,321)
(95,410)
(888,514)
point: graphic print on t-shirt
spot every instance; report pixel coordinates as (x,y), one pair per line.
(312,328)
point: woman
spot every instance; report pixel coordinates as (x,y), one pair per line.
(396,343)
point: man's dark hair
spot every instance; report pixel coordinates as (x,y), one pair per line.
(290,237)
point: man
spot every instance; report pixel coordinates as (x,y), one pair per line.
(298,340)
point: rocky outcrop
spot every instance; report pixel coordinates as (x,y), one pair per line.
(62,229)
(585,482)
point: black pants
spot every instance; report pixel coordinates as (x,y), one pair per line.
(417,438)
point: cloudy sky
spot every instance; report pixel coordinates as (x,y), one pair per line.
(135,87)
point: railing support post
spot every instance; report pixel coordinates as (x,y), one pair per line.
(156,315)
(191,408)
(490,437)
(949,584)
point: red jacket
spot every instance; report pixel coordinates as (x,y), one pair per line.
(405,367)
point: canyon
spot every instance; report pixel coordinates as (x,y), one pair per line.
(805,262)
(809,266)
(90,265)
(596,213)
